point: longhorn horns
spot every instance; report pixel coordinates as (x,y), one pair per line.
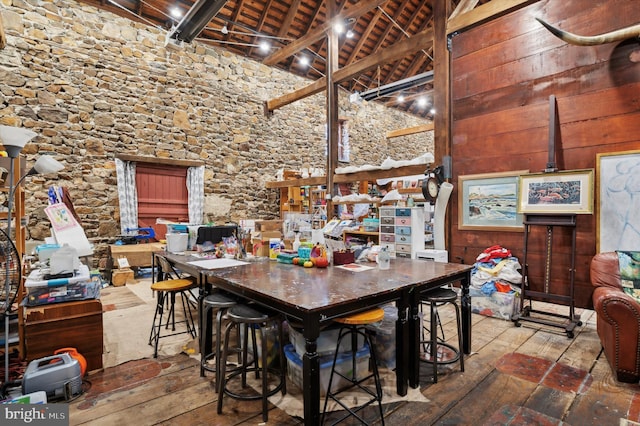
(618,35)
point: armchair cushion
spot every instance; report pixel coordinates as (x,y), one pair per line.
(629,264)
(618,318)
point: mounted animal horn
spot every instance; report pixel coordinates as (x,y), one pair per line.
(618,35)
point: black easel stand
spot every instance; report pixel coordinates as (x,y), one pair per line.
(571,321)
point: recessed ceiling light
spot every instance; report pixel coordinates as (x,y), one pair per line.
(265,46)
(350,34)
(339,27)
(400,98)
(432,111)
(176,13)
(422,102)
(304,61)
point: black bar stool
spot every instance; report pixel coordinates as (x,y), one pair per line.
(250,318)
(220,301)
(353,326)
(436,350)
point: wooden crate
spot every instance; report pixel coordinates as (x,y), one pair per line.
(120,277)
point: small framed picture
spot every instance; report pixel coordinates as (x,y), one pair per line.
(123,262)
(487,202)
(559,192)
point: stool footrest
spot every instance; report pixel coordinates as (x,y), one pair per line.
(243,397)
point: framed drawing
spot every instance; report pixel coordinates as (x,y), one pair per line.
(559,192)
(487,202)
(618,194)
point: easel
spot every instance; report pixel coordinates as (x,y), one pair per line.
(551,221)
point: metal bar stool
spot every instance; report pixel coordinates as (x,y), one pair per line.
(166,293)
(220,301)
(353,326)
(250,318)
(436,350)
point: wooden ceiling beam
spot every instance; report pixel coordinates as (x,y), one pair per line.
(463,7)
(318,33)
(323,41)
(291,13)
(390,54)
(412,68)
(363,38)
(484,13)
(410,131)
(260,23)
(316,87)
(386,79)
(421,40)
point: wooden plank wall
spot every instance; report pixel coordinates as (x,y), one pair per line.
(503,73)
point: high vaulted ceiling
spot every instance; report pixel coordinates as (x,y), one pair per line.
(241,26)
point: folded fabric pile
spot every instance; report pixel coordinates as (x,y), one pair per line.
(496,270)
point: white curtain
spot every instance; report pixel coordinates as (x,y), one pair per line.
(195,187)
(127,195)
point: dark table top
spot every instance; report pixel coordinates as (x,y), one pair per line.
(313,289)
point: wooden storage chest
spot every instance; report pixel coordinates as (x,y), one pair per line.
(62,325)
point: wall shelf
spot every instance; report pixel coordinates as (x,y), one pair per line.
(369,175)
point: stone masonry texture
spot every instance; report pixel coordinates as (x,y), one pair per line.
(94,85)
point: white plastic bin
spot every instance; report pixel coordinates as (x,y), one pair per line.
(343,365)
(326,341)
(177,243)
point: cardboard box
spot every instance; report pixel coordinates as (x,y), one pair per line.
(120,277)
(268,225)
(260,242)
(260,248)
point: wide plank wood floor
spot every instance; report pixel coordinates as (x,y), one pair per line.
(531,374)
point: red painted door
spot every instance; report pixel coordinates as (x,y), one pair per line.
(162,193)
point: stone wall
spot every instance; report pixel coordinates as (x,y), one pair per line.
(94,85)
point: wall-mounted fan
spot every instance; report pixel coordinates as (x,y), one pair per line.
(10,278)
(10,274)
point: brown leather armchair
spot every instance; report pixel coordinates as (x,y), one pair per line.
(618,320)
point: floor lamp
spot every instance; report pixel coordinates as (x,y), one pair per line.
(14,139)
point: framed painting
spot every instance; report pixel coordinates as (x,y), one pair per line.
(487,202)
(566,192)
(618,193)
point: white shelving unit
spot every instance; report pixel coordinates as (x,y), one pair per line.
(402,230)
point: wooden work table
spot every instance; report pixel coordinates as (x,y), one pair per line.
(315,296)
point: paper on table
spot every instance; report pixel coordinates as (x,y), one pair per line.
(355,267)
(217,263)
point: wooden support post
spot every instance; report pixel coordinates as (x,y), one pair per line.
(3,37)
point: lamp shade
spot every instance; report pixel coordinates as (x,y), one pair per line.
(15,138)
(46,164)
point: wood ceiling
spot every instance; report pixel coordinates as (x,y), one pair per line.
(240,26)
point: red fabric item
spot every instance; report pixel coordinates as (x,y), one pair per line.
(502,287)
(493,252)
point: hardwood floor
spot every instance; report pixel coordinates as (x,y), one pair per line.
(515,376)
